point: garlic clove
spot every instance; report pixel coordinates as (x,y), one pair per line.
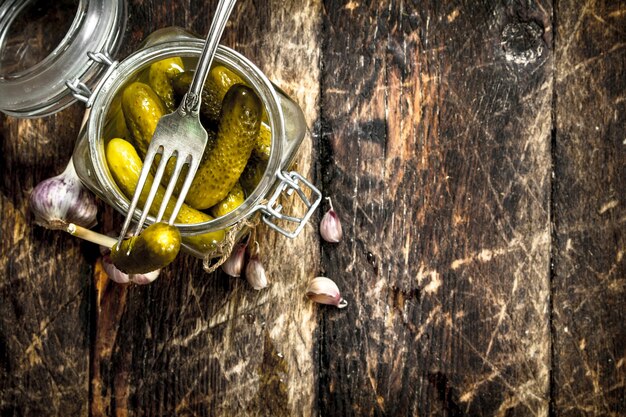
(113,273)
(63,199)
(330,226)
(120,277)
(323,290)
(147,278)
(235,263)
(255,273)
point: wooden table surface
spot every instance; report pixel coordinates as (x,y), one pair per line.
(475,152)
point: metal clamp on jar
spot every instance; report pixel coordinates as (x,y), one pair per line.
(81,68)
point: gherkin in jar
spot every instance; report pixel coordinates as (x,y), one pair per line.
(239,124)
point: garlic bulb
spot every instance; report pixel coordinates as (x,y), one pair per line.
(63,199)
(330,226)
(324,291)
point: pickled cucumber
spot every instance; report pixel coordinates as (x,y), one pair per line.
(252,174)
(254,170)
(160,76)
(233,200)
(239,123)
(142,111)
(219,80)
(154,248)
(125,166)
(263,143)
(115,126)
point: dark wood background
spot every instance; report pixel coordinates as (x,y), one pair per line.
(476,154)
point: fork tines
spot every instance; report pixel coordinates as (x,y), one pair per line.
(166,155)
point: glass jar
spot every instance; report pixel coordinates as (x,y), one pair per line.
(284,118)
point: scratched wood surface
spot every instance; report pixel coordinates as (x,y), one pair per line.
(437,134)
(475,153)
(589,279)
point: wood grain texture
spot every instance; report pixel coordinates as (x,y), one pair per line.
(45,286)
(436,148)
(476,158)
(589,210)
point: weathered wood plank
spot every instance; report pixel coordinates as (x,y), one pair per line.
(44,279)
(436,148)
(198,344)
(589,210)
(433,138)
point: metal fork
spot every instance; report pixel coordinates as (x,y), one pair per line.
(179,134)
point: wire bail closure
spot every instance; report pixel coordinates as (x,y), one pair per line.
(80,90)
(290,182)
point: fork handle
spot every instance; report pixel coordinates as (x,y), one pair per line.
(191,102)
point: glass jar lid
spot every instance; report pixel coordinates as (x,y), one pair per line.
(44,46)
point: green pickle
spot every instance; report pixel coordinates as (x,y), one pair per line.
(155,247)
(234,199)
(263,143)
(219,80)
(115,127)
(254,170)
(238,128)
(160,78)
(142,111)
(252,174)
(125,166)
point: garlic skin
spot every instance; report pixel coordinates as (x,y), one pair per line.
(323,290)
(63,199)
(255,273)
(235,263)
(330,226)
(113,273)
(120,277)
(147,278)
